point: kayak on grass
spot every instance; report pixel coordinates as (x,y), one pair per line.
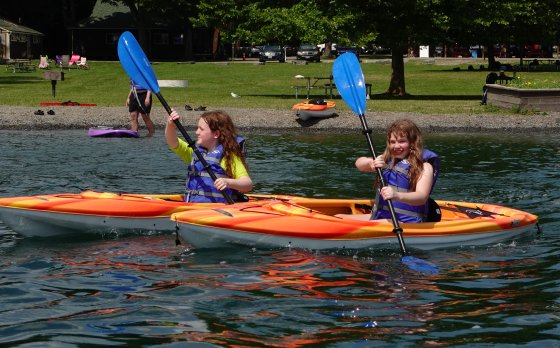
(312,224)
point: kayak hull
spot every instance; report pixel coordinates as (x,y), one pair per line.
(108,132)
(200,236)
(91,212)
(305,115)
(50,224)
(309,226)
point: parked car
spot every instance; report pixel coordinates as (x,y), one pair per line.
(256,51)
(382,50)
(308,52)
(272,52)
(343,49)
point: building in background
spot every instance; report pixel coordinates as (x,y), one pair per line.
(96,37)
(19,42)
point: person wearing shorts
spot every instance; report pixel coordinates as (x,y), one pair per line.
(139,102)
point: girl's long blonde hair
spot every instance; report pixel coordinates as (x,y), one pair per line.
(408,129)
(220,121)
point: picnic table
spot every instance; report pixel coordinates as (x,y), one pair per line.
(309,84)
(20,65)
(530,64)
(322,82)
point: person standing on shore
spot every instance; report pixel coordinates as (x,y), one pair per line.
(139,102)
(222,149)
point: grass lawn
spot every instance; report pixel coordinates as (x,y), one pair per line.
(432,88)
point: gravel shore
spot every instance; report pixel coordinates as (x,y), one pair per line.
(78,117)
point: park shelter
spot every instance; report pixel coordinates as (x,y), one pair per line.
(18,41)
(97,36)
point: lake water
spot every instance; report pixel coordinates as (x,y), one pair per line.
(145,291)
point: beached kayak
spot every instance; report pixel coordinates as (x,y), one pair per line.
(109,132)
(96,212)
(311,224)
(307,110)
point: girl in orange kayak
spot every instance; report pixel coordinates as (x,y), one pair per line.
(410,173)
(217,141)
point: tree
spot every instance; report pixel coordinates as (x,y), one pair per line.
(400,25)
(503,22)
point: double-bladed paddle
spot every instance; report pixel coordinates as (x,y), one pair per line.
(138,68)
(350,83)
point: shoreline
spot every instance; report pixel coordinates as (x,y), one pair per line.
(84,117)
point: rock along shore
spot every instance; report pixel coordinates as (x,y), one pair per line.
(81,117)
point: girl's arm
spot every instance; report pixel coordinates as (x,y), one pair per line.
(171,129)
(242,184)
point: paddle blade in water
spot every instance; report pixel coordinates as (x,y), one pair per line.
(419,265)
(349,81)
(135,62)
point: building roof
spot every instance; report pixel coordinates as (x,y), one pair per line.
(107,16)
(6,25)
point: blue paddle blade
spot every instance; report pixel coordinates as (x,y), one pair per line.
(419,265)
(349,81)
(135,62)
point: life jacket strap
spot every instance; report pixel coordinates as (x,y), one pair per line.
(203,193)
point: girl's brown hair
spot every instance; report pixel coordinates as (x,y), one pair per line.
(220,121)
(408,129)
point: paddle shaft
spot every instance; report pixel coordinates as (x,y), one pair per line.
(396,227)
(192,145)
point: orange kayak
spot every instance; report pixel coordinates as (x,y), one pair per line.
(312,224)
(306,105)
(307,110)
(96,212)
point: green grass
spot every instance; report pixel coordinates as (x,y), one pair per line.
(527,81)
(432,88)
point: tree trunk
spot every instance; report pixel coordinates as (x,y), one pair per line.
(188,40)
(137,13)
(491,57)
(397,85)
(328,49)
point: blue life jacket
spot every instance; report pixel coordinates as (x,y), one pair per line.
(199,185)
(398,177)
